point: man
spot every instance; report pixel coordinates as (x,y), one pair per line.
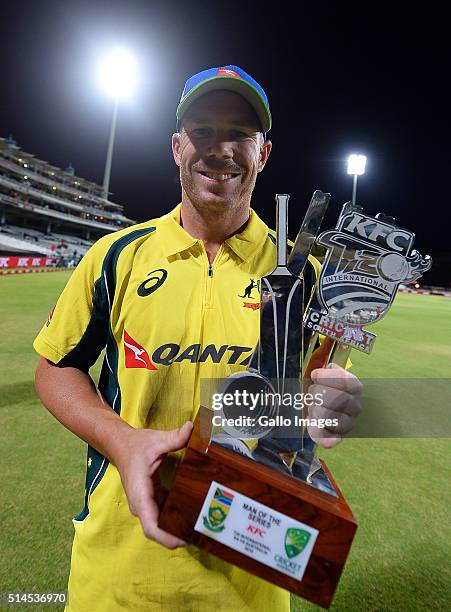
(163,298)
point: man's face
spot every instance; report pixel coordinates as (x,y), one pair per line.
(220,150)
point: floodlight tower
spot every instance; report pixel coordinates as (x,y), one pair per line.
(117,74)
(356,167)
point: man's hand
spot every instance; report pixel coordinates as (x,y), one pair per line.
(70,395)
(137,463)
(340,391)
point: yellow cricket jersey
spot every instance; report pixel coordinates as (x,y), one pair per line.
(166,318)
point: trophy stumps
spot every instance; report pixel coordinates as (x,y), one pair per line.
(206,462)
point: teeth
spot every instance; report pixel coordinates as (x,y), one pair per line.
(218,177)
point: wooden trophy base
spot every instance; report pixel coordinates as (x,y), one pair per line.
(205,462)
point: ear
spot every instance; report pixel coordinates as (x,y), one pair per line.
(264,154)
(176,148)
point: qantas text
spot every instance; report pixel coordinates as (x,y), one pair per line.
(169,353)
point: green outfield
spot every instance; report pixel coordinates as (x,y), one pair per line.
(397,488)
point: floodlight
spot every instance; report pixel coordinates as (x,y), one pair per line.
(117,73)
(356,164)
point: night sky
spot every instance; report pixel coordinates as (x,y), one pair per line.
(341,77)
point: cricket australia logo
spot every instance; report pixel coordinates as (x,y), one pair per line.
(248,290)
(218,510)
(367,259)
(247,295)
(295,541)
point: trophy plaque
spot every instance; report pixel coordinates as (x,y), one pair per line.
(250,489)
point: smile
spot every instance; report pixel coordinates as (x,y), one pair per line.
(215,176)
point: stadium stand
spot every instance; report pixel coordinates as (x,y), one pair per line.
(45,210)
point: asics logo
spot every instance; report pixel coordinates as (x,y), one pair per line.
(155,279)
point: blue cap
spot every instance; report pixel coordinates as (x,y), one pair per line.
(231,78)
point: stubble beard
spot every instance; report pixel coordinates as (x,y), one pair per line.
(231,202)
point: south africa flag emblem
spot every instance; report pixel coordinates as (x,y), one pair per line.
(295,541)
(218,510)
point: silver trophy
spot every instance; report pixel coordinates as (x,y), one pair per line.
(363,261)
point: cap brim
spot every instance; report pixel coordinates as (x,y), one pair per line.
(239,86)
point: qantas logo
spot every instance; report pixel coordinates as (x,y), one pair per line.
(135,355)
(169,353)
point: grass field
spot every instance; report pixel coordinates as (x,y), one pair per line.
(397,488)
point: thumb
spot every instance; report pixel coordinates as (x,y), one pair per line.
(175,439)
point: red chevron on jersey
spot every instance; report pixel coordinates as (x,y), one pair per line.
(135,355)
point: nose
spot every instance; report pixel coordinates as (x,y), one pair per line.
(220,147)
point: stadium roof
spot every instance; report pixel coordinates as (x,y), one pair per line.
(9,143)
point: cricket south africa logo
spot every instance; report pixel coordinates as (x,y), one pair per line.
(218,510)
(295,541)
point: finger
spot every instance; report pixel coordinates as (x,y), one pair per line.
(153,532)
(335,376)
(325,441)
(335,400)
(146,509)
(332,421)
(173,440)
(328,442)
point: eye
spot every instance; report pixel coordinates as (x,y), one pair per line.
(239,134)
(201,132)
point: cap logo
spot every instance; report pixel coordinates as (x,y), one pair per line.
(227,72)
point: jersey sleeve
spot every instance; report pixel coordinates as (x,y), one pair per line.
(76,331)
